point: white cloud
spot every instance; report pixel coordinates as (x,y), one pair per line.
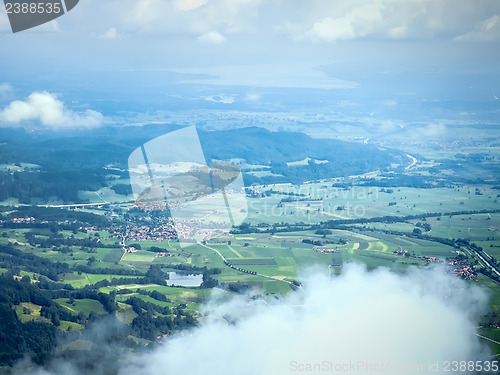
(330,30)
(377,317)
(366,318)
(212,37)
(330,22)
(487,30)
(192,17)
(312,20)
(360,20)
(50,112)
(398,32)
(252,97)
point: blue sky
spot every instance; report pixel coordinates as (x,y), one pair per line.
(131,48)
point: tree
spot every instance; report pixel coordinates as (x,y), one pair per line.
(26,279)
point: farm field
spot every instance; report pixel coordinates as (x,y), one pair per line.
(268,262)
(85,306)
(318,202)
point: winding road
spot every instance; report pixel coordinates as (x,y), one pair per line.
(256,274)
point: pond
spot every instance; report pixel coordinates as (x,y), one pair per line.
(184,279)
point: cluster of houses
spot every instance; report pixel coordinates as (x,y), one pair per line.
(162,337)
(400,252)
(144,232)
(94,228)
(326,251)
(462,269)
(161,254)
(23,220)
(421,257)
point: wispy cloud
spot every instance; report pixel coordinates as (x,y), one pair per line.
(487,30)
(111,33)
(212,37)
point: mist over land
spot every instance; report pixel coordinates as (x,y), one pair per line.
(362,320)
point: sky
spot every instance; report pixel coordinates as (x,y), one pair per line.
(139,49)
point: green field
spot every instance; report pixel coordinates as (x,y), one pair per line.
(85,306)
(364,202)
(277,256)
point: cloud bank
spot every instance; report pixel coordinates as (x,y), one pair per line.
(44,108)
(322,21)
(362,317)
(388,321)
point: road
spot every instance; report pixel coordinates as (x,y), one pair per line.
(79,205)
(484,260)
(413,161)
(256,274)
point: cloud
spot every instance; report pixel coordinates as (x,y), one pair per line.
(187,5)
(110,34)
(427,131)
(358,22)
(487,30)
(367,318)
(329,22)
(330,30)
(192,17)
(377,318)
(252,97)
(45,108)
(212,37)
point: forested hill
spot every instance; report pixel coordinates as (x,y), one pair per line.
(260,146)
(295,157)
(69,161)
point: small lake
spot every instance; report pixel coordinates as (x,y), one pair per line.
(184,279)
